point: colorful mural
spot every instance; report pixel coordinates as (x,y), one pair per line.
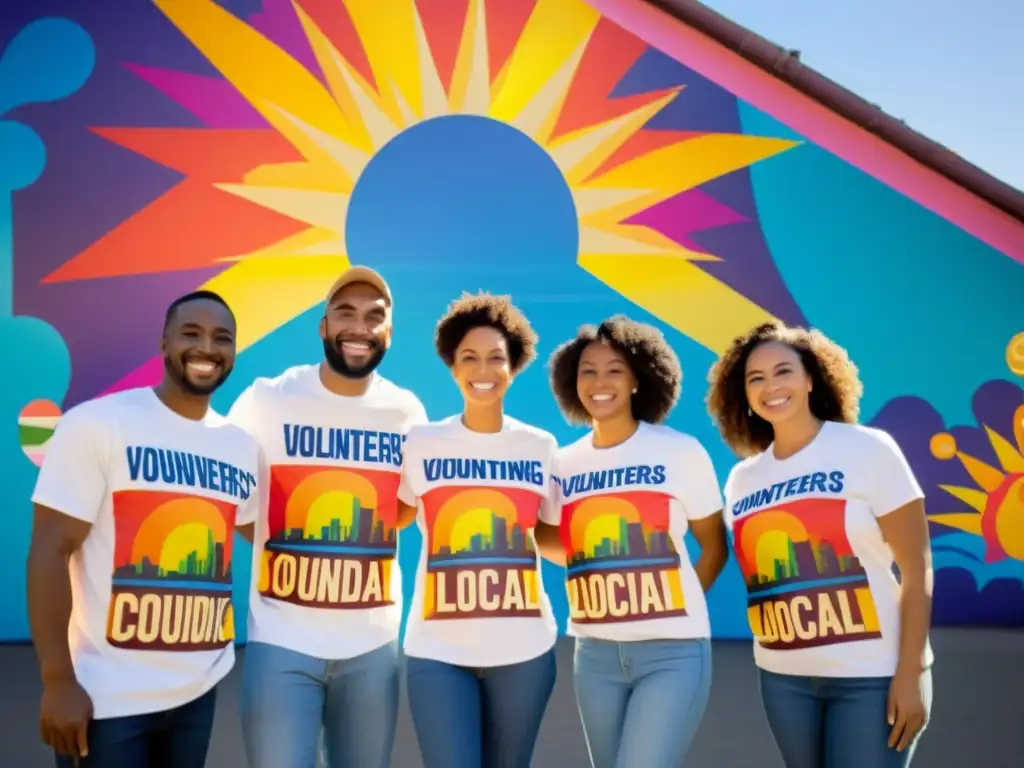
(588,157)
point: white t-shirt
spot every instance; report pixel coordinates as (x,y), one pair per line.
(623,512)
(479,599)
(822,597)
(326,581)
(152,623)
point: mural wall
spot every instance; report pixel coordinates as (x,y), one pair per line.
(587,157)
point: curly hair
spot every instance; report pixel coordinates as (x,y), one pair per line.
(652,361)
(484,310)
(835,392)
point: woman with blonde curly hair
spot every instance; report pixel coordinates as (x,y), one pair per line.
(820,511)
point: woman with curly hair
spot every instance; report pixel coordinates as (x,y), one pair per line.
(628,492)
(480,634)
(820,511)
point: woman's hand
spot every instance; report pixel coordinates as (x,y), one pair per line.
(906,709)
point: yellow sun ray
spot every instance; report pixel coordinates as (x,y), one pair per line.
(298,176)
(688,164)
(292,246)
(680,294)
(327,57)
(988,478)
(378,123)
(387,29)
(1009,458)
(435,100)
(263,73)
(589,201)
(538,117)
(470,90)
(972,497)
(655,239)
(554,32)
(344,157)
(248,283)
(580,153)
(960,520)
(325,210)
(630,240)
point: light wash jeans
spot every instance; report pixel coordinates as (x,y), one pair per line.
(288,698)
(485,717)
(641,702)
(834,722)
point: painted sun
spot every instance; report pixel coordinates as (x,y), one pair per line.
(276,200)
(998,499)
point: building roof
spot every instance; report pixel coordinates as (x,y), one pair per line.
(787,67)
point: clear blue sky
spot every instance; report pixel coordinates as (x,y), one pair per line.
(951,70)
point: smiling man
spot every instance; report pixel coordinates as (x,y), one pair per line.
(325,607)
(129,569)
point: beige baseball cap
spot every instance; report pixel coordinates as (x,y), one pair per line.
(361,274)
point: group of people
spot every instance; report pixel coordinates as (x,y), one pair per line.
(141,491)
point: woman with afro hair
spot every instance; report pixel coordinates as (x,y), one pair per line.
(480,636)
(628,493)
(821,509)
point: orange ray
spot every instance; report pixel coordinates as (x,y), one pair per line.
(332,18)
(443,23)
(191,226)
(610,54)
(215,156)
(506,20)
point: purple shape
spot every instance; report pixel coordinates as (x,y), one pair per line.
(959,602)
(213,100)
(280,24)
(690,211)
(994,404)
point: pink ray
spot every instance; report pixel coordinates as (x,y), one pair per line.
(212,100)
(691,211)
(279,23)
(146,375)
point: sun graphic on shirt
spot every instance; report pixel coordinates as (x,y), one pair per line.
(278,199)
(998,499)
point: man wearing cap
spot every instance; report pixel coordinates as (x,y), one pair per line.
(325,603)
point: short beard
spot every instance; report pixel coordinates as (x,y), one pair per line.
(179,377)
(335,358)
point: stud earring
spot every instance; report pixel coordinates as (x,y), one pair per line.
(750,411)
(634,390)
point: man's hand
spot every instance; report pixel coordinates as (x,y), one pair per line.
(64,716)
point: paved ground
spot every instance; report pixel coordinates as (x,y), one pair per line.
(977,722)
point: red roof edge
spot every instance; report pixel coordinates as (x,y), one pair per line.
(786,66)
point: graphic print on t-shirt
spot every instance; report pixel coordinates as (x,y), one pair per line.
(171,587)
(805,586)
(622,564)
(480,557)
(331,537)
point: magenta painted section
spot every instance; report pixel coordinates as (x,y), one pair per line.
(212,100)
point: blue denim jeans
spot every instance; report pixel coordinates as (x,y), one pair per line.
(479,717)
(175,738)
(834,722)
(288,698)
(641,702)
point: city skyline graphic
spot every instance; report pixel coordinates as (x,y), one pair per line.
(324,510)
(629,530)
(469,524)
(173,540)
(785,547)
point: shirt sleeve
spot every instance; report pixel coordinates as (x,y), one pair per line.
(702,495)
(250,510)
(417,415)
(406,490)
(73,479)
(551,505)
(891,483)
(243,410)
